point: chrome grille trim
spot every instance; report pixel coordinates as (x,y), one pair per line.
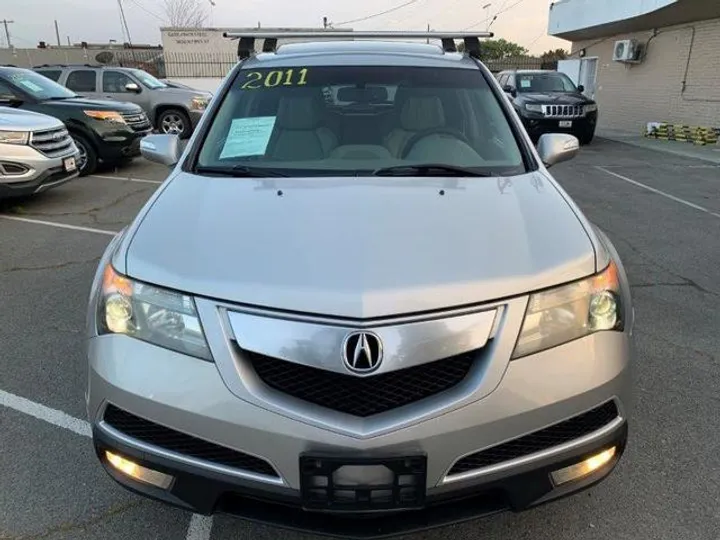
(137,121)
(563,111)
(53,142)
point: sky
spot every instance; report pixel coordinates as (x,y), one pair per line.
(97,21)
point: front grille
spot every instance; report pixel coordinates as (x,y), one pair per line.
(362,396)
(563,111)
(538,441)
(53,142)
(169,439)
(137,121)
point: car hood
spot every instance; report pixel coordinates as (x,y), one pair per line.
(96,104)
(21,120)
(359,247)
(558,98)
(182,93)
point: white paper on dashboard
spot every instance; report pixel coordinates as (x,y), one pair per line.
(248,136)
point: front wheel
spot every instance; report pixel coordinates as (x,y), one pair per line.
(174,122)
(586,137)
(88,159)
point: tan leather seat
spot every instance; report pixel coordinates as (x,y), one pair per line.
(418,113)
(299,134)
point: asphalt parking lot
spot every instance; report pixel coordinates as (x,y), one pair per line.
(662,212)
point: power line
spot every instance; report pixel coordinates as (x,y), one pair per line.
(505,10)
(152,13)
(379,14)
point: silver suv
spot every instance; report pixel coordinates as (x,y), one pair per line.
(360,304)
(170,109)
(36,153)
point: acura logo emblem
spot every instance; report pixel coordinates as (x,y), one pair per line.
(362,352)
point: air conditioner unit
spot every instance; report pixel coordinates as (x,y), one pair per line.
(627,50)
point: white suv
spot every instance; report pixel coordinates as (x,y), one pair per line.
(36,153)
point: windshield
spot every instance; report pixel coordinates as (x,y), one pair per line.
(148,80)
(545,82)
(38,86)
(355,120)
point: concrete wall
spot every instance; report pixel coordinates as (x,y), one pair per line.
(657,89)
(63,55)
(570,15)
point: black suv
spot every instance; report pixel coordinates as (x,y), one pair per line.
(549,102)
(108,131)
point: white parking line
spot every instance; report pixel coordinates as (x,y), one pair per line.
(659,192)
(58,225)
(41,412)
(126,179)
(200,527)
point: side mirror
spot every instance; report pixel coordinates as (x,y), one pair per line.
(132,87)
(510,90)
(555,148)
(163,149)
(581,88)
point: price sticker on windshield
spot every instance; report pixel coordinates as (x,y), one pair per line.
(256,80)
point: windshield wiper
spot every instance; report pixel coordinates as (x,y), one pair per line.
(429,169)
(58,98)
(241,171)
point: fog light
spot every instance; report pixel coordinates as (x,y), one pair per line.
(138,472)
(574,472)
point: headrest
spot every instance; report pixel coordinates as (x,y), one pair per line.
(421,113)
(298,112)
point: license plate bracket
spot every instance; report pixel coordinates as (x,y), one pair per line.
(566,123)
(69,164)
(404,488)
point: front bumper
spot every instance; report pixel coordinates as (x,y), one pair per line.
(116,145)
(537,125)
(195,117)
(190,396)
(41,172)
(206,492)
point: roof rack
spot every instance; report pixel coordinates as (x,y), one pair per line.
(246,44)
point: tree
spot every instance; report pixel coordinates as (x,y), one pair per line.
(554,56)
(185,13)
(498,49)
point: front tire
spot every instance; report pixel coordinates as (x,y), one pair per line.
(87,161)
(174,122)
(586,137)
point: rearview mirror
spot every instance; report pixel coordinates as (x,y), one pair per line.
(555,148)
(163,149)
(510,90)
(132,87)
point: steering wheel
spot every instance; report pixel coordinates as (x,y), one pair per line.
(420,135)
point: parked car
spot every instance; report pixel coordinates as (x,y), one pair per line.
(171,109)
(549,102)
(108,131)
(360,324)
(36,153)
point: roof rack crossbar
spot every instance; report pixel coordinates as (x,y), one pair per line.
(334,34)
(246,44)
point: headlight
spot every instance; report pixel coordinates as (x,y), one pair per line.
(591,108)
(161,317)
(14,137)
(199,103)
(570,312)
(109,116)
(534,107)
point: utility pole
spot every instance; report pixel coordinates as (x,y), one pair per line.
(7,32)
(127,30)
(57,32)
